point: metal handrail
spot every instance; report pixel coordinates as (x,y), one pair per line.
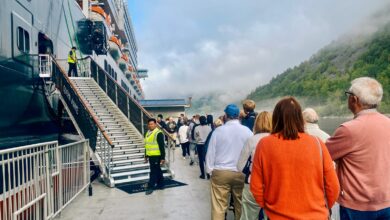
(129,96)
(89,110)
(143,110)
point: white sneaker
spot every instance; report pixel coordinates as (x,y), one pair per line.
(184,158)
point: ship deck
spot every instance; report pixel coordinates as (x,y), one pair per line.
(190,202)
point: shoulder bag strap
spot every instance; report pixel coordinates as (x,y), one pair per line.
(322,161)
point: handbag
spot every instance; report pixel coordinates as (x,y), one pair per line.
(322,160)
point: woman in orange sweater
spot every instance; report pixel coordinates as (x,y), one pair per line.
(293,175)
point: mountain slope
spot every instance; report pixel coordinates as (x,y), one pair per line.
(322,80)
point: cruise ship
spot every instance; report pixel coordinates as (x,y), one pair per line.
(53,127)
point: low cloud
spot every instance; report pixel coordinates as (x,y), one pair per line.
(194,48)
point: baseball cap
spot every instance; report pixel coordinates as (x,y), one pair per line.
(232,110)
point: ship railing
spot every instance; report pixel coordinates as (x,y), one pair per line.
(82,66)
(38,181)
(129,106)
(86,120)
(45,62)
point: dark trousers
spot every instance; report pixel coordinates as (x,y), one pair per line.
(72,68)
(202,157)
(186,149)
(351,214)
(156,175)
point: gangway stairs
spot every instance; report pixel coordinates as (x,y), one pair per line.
(126,163)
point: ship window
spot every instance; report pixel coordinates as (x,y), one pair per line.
(105,65)
(115,75)
(23,40)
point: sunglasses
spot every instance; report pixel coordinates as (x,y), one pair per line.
(349,93)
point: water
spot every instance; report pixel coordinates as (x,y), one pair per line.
(330,124)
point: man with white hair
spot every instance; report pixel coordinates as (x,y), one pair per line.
(361,149)
(311,124)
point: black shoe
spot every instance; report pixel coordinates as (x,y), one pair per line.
(148,192)
(191,163)
(208,176)
(202,177)
(160,187)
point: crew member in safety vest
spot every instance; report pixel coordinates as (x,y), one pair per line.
(155,153)
(72,60)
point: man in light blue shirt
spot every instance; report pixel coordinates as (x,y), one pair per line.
(222,156)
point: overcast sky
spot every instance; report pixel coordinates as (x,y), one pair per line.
(194,47)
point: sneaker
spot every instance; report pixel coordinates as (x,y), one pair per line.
(191,163)
(148,192)
(184,158)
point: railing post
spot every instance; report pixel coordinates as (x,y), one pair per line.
(86,162)
(105,79)
(60,185)
(116,95)
(97,76)
(142,123)
(128,108)
(48,176)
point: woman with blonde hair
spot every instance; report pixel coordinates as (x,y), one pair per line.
(293,175)
(262,127)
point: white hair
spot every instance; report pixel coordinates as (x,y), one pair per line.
(368,90)
(310,115)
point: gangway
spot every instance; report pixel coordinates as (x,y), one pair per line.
(111,119)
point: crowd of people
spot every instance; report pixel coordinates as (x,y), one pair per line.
(281,165)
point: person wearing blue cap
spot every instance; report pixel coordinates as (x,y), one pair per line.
(222,156)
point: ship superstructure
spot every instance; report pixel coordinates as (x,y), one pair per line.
(101,30)
(52,126)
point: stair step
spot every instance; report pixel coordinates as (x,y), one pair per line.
(132,151)
(131,167)
(117,163)
(129,158)
(129,173)
(139,178)
(137,157)
(134,166)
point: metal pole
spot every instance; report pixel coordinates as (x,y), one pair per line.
(142,123)
(48,176)
(116,95)
(105,79)
(128,108)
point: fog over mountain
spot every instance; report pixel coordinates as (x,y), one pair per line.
(228,48)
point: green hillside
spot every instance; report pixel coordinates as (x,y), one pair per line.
(322,80)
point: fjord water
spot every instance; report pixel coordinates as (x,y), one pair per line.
(329,124)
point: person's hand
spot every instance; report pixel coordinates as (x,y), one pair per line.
(162,162)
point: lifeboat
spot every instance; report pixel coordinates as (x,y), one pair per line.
(115,47)
(98,14)
(123,63)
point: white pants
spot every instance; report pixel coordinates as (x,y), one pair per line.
(250,209)
(192,152)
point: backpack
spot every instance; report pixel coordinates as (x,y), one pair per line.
(247,169)
(193,131)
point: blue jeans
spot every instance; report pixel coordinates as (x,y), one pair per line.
(351,214)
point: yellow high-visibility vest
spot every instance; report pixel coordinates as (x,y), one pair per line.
(72,57)
(151,145)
